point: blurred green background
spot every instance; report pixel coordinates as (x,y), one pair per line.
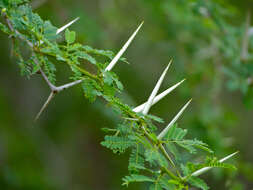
(208,43)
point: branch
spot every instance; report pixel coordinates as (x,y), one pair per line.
(51,86)
(54,89)
(65,86)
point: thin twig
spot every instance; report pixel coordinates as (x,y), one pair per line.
(65,86)
(166,155)
(54,89)
(51,86)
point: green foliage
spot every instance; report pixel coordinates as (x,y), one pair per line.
(136,159)
(210,162)
(176,136)
(136,178)
(149,160)
(4,28)
(106,53)
(153,157)
(91,89)
(117,144)
(49,31)
(70,36)
(48,68)
(197,182)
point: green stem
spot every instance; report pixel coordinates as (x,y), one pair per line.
(166,155)
(169,158)
(84,72)
(171,174)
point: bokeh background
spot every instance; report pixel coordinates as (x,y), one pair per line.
(211,45)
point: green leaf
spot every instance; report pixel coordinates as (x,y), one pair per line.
(4,28)
(109,93)
(105,53)
(91,89)
(136,160)
(107,130)
(155,118)
(124,129)
(83,55)
(211,162)
(117,144)
(111,79)
(215,163)
(191,145)
(176,135)
(49,69)
(154,157)
(108,78)
(136,178)
(156,186)
(197,182)
(177,185)
(50,31)
(70,36)
(173,149)
(47,66)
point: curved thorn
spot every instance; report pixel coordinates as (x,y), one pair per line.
(205,169)
(158,97)
(155,90)
(165,131)
(67,25)
(123,49)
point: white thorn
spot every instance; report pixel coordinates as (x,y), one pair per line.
(155,90)
(123,49)
(227,157)
(165,131)
(158,97)
(66,26)
(205,169)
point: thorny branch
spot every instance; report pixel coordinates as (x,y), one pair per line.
(54,89)
(154,140)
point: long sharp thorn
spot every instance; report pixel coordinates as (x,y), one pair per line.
(123,49)
(51,96)
(155,90)
(205,169)
(67,25)
(165,131)
(158,97)
(227,157)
